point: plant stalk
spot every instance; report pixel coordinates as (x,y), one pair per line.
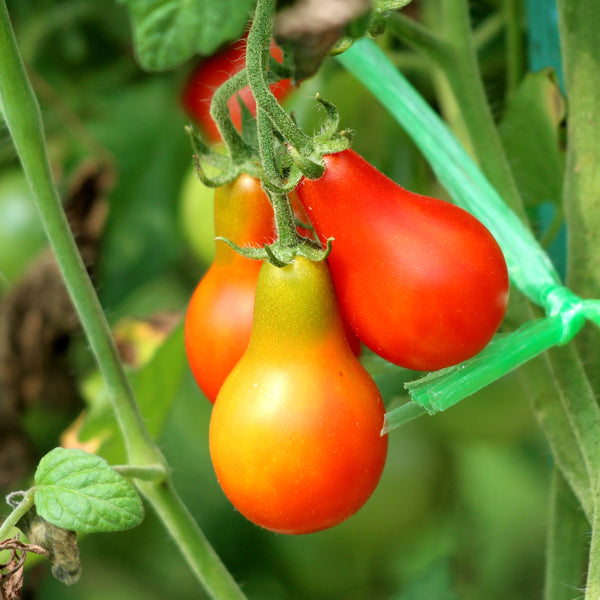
(566,542)
(191,541)
(18,512)
(23,118)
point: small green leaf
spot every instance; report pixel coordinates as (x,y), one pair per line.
(169,32)
(77,490)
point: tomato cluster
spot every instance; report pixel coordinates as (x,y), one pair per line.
(295,434)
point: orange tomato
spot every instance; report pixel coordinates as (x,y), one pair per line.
(295,432)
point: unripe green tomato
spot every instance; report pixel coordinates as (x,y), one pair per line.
(196,219)
(22,234)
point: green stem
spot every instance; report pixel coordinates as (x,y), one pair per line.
(513,18)
(580,46)
(219,111)
(257,61)
(540,389)
(271,174)
(566,542)
(580,405)
(23,118)
(22,115)
(285,222)
(191,541)
(592,587)
(18,512)
(418,36)
(155,473)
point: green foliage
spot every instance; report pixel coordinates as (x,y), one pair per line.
(168,32)
(77,490)
(530,131)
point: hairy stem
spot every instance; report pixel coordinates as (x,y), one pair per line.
(566,542)
(15,516)
(257,61)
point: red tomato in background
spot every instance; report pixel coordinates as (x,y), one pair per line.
(295,433)
(421,281)
(215,70)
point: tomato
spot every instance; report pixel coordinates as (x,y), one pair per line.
(21,230)
(421,281)
(295,432)
(219,316)
(195,217)
(215,70)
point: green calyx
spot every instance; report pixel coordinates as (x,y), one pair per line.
(280,255)
(271,146)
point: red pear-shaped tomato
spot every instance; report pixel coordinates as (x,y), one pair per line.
(421,281)
(219,316)
(295,433)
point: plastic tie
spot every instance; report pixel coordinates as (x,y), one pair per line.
(560,301)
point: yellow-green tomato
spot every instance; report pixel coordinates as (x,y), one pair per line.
(21,231)
(295,433)
(196,220)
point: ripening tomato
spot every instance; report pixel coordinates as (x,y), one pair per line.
(295,433)
(219,316)
(421,281)
(214,71)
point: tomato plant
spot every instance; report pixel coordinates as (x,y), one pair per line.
(209,74)
(295,433)
(219,316)
(421,281)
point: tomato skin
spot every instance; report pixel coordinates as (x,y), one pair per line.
(214,71)
(295,432)
(219,316)
(421,281)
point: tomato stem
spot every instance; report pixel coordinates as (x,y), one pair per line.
(285,222)
(219,111)
(257,61)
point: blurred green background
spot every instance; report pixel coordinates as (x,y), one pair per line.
(460,512)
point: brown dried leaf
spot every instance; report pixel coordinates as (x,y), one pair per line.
(11,573)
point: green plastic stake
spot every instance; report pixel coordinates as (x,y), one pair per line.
(529,266)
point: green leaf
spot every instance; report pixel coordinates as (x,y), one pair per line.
(169,32)
(530,135)
(155,386)
(79,491)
